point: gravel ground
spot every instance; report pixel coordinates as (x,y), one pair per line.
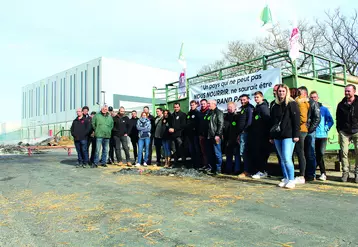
(46,201)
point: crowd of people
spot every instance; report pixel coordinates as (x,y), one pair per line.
(294,123)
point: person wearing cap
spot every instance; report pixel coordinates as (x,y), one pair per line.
(102,124)
(244,122)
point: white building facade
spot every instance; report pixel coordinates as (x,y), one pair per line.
(49,105)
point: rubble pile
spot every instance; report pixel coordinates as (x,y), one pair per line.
(177,172)
(11,149)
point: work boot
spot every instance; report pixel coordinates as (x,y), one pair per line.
(345,177)
(129,164)
(169,163)
(104,165)
(120,163)
(94,165)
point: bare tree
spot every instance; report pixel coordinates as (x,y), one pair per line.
(341,36)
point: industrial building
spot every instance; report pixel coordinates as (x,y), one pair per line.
(49,105)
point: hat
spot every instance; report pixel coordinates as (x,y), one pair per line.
(110,108)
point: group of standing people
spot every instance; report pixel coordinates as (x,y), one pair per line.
(246,136)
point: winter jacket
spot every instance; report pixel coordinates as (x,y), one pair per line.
(303,106)
(203,124)
(158,127)
(144,128)
(290,124)
(347,116)
(81,129)
(230,131)
(245,118)
(102,125)
(325,124)
(192,123)
(314,116)
(132,127)
(120,125)
(261,123)
(165,126)
(216,123)
(152,123)
(178,123)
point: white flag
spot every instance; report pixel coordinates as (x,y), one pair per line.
(294,44)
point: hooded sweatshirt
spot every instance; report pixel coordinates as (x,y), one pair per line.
(303,106)
(325,124)
(261,121)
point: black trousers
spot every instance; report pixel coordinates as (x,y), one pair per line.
(150,150)
(134,141)
(111,150)
(179,147)
(259,151)
(158,149)
(92,141)
(320,148)
(194,150)
(300,151)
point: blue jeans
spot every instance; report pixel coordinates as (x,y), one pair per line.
(166,147)
(143,143)
(82,151)
(104,143)
(285,149)
(215,155)
(244,152)
(311,164)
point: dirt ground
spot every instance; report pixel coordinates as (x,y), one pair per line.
(46,201)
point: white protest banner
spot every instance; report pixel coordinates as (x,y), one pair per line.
(227,90)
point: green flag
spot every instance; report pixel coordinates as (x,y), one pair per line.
(266,16)
(181,58)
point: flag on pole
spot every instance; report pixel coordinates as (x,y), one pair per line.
(182,76)
(294,44)
(181,58)
(266,16)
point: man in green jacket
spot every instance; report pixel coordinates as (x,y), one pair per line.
(102,124)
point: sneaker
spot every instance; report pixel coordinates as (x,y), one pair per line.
(323,177)
(259,175)
(300,180)
(145,164)
(137,165)
(85,165)
(291,184)
(78,165)
(94,165)
(283,183)
(129,164)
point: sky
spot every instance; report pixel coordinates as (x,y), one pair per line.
(40,38)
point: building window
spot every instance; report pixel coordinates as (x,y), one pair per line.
(94,85)
(98,84)
(74,91)
(25,104)
(54,98)
(71,92)
(85,89)
(46,99)
(64,94)
(81,88)
(61,93)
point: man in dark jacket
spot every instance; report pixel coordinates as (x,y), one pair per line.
(203,132)
(92,139)
(244,121)
(347,127)
(120,136)
(192,134)
(259,133)
(215,118)
(133,134)
(152,122)
(313,120)
(230,140)
(80,131)
(178,126)
(112,148)
(158,135)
